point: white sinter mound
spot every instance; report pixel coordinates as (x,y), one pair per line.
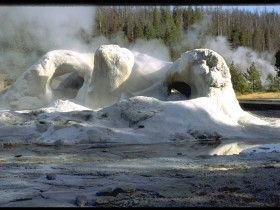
(116,95)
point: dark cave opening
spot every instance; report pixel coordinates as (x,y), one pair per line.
(66,86)
(180,87)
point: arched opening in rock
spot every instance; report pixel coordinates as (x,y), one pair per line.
(179,88)
(66,83)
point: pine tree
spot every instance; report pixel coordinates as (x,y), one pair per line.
(258,40)
(172,34)
(186,17)
(97,30)
(277,62)
(277,83)
(197,15)
(178,17)
(270,80)
(274,82)
(245,38)
(235,37)
(156,23)
(149,31)
(239,82)
(190,15)
(128,27)
(166,20)
(139,30)
(254,78)
(267,39)
(139,24)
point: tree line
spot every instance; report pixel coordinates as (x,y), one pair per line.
(256,30)
(251,80)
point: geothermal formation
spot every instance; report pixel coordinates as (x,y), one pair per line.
(113,74)
(132,97)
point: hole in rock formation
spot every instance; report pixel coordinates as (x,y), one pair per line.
(180,87)
(66,85)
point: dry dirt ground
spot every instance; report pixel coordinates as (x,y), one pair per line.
(158,175)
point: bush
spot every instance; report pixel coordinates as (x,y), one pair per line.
(8,82)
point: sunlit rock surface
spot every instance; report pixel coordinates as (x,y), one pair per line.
(116,95)
(113,74)
(207,74)
(112,67)
(32,90)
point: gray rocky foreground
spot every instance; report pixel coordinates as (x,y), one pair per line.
(118,175)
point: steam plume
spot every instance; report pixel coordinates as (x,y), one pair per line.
(48,28)
(242,57)
(41,29)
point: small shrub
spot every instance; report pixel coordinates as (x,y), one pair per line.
(8,82)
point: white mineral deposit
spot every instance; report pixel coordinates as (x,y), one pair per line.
(103,102)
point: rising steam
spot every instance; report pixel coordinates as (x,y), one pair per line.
(47,28)
(242,57)
(41,29)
